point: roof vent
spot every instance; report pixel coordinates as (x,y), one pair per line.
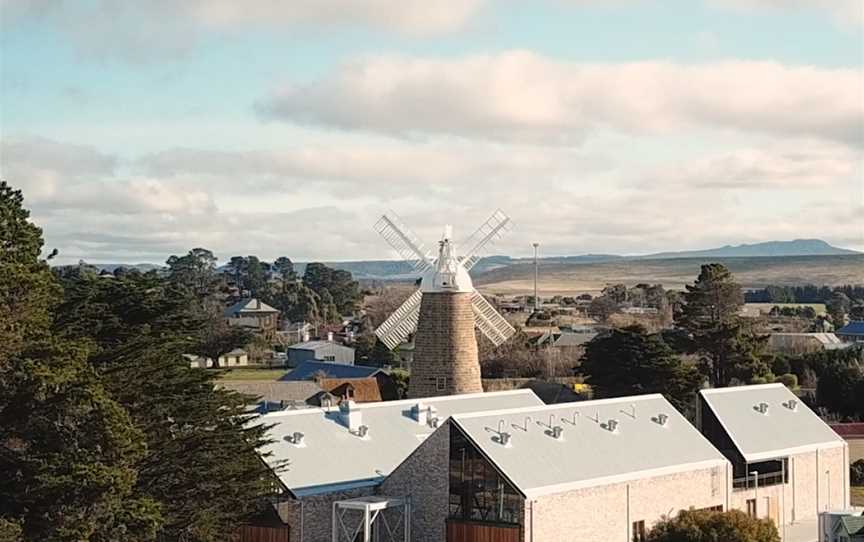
(504,439)
(662,419)
(557,432)
(612,425)
(296,439)
(362,431)
(791,404)
(434,422)
(420,413)
(762,408)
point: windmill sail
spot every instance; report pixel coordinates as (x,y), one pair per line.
(403,241)
(489,232)
(489,321)
(401,323)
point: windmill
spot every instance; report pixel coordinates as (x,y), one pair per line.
(445,309)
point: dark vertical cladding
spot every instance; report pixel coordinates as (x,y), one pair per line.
(445,352)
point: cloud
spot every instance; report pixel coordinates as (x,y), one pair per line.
(845,12)
(142,31)
(521,96)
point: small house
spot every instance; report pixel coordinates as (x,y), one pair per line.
(320,351)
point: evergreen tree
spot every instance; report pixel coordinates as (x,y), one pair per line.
(710,316)
(629,361)
(68,451)
(196,270)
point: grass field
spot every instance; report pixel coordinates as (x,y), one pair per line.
(573,278)
(858,496)
(252,374)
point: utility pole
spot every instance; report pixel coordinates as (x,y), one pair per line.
(536,299)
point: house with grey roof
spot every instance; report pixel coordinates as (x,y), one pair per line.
(787,464)
(276,395)
(254,315)
(328,351)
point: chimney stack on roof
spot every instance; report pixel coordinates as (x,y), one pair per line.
(420,413)
(350,416)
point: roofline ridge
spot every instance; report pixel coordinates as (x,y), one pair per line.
(730,389)
(559,406)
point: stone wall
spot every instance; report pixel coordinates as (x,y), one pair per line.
(445,347)
(606,513)
(424,480)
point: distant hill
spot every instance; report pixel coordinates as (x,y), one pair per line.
(772,249)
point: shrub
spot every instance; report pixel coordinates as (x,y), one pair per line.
(789,380)
(701,525)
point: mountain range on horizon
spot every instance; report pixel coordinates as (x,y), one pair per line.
(395,269)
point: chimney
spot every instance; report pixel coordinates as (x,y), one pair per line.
(330,336)
(420,413)
(350,416)
(305,336)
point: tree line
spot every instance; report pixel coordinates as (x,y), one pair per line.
(105,432)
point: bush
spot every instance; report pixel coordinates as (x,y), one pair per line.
(701,525)
(789,380)
(856,473)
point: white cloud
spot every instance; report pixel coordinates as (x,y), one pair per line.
(521,96)
(845,12)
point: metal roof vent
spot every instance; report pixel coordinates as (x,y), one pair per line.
(791,404)
(296,439)
(662,419)
(557,432)
(762,408)
(363,431)
(612,425)
(504,439)
(434,422)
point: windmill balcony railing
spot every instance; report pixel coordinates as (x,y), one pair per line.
(750,482)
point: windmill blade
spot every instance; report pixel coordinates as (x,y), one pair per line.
(490,322)
(489,232)
(401,323)
(403,241)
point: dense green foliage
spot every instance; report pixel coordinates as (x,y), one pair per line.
(68,450)
(808,293)
(630,361)
(704,526)
(728,349)
(856,473)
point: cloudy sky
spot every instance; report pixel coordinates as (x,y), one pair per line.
(142,129)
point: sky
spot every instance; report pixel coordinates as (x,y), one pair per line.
(137,130)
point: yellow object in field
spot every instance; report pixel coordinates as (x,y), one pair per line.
(581,388)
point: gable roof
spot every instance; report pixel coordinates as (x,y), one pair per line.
(855,327)
(363,390)
(589,453)
(276,391)
(779,432)
(331,458)
(249,306)
(307,370)
(317,345)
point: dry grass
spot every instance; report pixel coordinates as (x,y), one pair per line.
(574,278)
(858,496)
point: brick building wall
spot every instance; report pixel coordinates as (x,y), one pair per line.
(606,514)
(424,480)
(445,347)
(807,492)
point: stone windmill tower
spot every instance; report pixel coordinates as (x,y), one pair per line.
(444,310)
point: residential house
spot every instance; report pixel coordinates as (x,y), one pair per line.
(800,343)
(235,358)
(842,526)
(852,332)
(310,370)
(254,315)
(278,395)
(320,351)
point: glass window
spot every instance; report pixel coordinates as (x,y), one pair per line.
(751,508)
(478,492)
(639,531)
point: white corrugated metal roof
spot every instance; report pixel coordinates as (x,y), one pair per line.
(781,431)
(315,345)
(589,453)
(332,458)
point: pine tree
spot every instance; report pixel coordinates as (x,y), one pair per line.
(630,361)
(67,449)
